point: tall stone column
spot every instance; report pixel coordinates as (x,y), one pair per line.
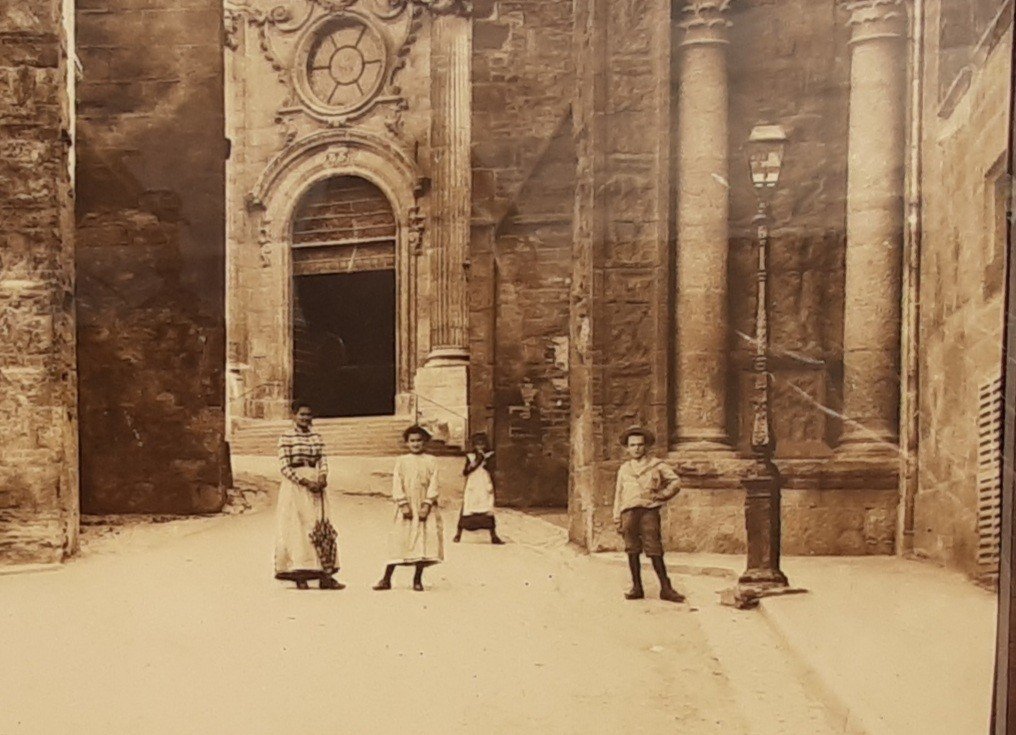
(871,333)
(451,203)
(702,229)
(442,382)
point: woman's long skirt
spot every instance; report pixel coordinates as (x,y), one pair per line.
(297,511)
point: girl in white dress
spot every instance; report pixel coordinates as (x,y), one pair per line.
(478,495)
(416,538)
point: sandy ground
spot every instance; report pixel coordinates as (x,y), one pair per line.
(179,628)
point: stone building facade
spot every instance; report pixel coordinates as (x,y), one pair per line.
(607,276)
(954,337)
(523,217)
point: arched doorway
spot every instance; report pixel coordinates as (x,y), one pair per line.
(344,299)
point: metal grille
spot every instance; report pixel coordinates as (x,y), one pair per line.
(989,476)
(343,210)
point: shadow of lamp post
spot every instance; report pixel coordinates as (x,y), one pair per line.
(762,483)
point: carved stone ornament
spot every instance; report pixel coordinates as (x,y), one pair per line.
(338,58)
(416,225)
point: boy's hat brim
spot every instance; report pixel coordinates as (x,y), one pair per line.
(631,431)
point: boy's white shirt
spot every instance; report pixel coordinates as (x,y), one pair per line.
(640,467)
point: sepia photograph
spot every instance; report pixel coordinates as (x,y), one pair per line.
(558,367)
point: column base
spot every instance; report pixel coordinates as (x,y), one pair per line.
(701,451)
(763,579)
(442,397)
(447,356)
(873,449)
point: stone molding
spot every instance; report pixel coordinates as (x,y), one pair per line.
(836,473)
(340,150)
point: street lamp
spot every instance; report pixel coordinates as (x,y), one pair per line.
(762,482)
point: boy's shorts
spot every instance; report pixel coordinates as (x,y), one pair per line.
(640,528)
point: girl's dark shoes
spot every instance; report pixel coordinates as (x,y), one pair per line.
(418,586)
(496,540)
(301,584)
(458,537)
(327,583)
(635,593)
(384,584)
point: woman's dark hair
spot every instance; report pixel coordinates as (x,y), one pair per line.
(418,430)
(296,405)
(480,438)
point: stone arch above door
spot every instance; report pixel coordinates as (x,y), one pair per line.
(273,201)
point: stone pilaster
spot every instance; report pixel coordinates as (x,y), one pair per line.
(619,315)
(702,229)
(38,374)
(442,383)
(871,334)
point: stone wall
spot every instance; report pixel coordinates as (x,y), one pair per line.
(38,417)
(151,153)
(523,164)
(962,272)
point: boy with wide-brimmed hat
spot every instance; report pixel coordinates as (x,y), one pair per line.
(644,484)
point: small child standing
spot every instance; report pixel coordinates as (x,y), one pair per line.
(478,495)
(644,484)
(416,537)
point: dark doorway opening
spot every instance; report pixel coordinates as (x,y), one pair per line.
(344,342)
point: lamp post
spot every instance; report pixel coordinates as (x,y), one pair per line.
(762,481)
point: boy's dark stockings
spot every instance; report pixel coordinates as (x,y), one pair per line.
(667,591)
(418,578)
(635,567)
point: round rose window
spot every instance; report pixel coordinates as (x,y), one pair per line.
(345,65)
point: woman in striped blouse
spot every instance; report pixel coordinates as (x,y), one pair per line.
(303,501)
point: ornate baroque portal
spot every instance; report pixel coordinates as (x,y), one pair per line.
(371,90)
(275,201)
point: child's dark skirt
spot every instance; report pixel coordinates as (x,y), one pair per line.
(477,522)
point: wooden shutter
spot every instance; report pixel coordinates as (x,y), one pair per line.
(989,477)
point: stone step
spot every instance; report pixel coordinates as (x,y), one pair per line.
(379,436)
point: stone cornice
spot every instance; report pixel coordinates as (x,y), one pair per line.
(704,21)
(870,20)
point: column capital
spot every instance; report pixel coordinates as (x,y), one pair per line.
(704,21)
(870,20)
